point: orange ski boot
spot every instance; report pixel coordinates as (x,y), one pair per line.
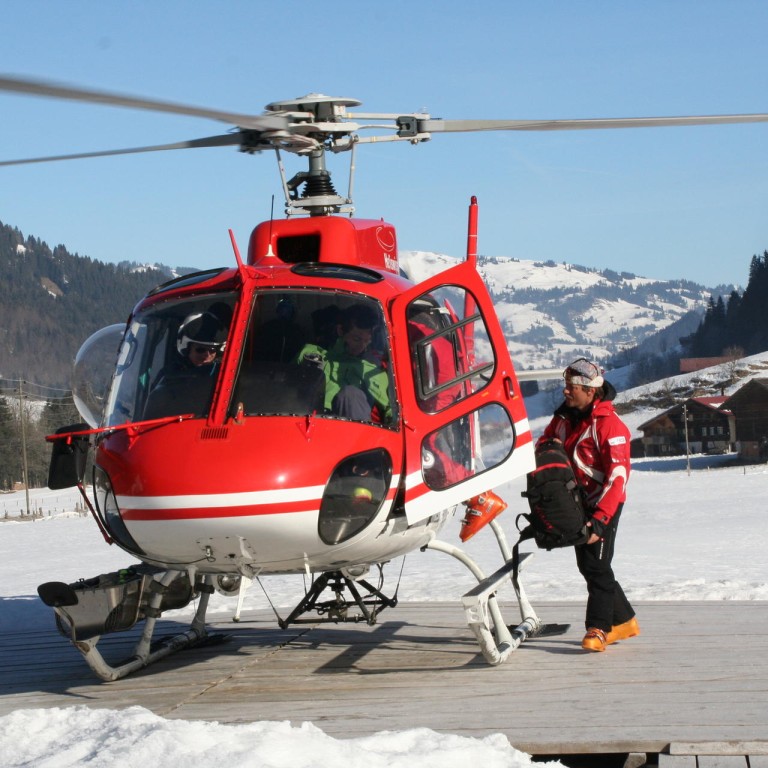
(594,640)
(481,509)
(623,631)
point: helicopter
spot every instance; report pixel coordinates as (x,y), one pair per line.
(307,410)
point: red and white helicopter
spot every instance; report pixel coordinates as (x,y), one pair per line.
(307,410)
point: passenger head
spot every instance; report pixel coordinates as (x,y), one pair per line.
(356,327)
(201,337)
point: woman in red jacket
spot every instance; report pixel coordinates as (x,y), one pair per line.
(597,442)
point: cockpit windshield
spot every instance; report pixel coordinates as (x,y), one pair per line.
(316,352)
(305,352)
(169,359)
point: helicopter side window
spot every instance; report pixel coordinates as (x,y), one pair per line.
(452,359)
(450,347)
(467,446)
(169,360)
(315,352)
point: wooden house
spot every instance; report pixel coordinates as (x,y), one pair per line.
(698,425)
(749,406)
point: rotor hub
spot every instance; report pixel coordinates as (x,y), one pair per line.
(318,105)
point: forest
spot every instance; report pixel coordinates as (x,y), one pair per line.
(740,322)
(53,300)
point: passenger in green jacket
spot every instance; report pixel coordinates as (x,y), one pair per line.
(357,386)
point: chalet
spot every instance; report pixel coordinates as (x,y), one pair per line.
(710,429)
(749,406)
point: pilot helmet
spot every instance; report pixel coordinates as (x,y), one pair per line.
(201,328)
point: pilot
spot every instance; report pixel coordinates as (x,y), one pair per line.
(201,339)
(357,386)
(186,386)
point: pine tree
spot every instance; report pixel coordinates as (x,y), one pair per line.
(8,455)
(753,321)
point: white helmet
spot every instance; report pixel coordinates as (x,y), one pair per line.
(201,328)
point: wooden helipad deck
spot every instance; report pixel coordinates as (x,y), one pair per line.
(698,674)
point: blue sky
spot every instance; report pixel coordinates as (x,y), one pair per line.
(663,203)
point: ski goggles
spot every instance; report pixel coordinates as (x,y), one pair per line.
(584,373)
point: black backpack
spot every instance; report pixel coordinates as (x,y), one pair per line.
(557,517)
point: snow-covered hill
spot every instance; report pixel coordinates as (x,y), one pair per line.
(554,312)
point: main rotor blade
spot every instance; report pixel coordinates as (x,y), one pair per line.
(32,87)
(212,141)
(432,125)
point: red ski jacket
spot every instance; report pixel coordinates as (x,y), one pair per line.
(598,445)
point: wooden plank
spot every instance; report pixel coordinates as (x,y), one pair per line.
(677,761)
(719,748)
(421,667)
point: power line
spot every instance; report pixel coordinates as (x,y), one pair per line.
(11,387)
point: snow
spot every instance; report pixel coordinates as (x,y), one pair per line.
(685,535)
(136,737)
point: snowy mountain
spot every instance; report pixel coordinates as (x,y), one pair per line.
(554,312)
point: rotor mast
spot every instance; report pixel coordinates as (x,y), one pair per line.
(319,197)
(317,121)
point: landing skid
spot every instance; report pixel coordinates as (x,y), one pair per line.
(114,602)
(338,608)
(546,630)
(483,613)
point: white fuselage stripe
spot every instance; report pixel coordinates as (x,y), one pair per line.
(242,499)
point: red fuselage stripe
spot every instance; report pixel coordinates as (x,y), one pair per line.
(197,513)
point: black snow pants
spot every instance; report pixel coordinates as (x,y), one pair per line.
(607,605)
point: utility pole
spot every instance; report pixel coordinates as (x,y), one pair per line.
(24,465)
(687,449)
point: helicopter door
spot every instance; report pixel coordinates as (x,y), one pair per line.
(465,425)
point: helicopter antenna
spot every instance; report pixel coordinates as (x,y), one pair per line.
(238,258)
(472,231)
(270,252)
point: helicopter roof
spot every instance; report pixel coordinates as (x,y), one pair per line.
(359,242)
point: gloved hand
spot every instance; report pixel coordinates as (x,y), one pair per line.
(313,360)
(597,527)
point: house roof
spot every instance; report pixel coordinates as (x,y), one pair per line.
(754,384)
(715,401)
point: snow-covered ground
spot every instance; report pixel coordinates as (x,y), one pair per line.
(697,536)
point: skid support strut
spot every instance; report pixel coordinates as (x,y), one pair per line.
(483,613)
(336,609)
